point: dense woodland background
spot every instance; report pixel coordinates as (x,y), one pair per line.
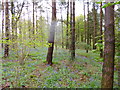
(45,45)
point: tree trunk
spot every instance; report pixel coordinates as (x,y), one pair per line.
(2,22)
(73,32)
(33,31)
(62,28)
(95,23)
(33,18)
(67,43)
(6,50)
(88,34)
(13,23)
(84,22)
(101,33)
(109,49)
(52,33)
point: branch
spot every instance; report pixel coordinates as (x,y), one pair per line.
(20,12)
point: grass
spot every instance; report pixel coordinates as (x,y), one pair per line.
(84,72)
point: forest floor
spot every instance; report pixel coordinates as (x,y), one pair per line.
(84,72)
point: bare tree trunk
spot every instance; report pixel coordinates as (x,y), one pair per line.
(84,22)
(95,23)
(88,33)
(67,42)
(52,33)
(109,49)
(62,28)
(29,28)
(101,33)
(13,23)
(2,22)
(6,50)
(33,18)
(33,31)
(73,31)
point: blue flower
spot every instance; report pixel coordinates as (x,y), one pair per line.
(91,79)
(60,79)
(12,69)
(29,65)
(72,72)
(38,86)
(5,70)
(8,74)
(71,79)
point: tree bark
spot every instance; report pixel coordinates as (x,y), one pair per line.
(101,32)
(62,28)
(2,22)
(6,50)
(67,43)
(14,25)
(95,23)
(84,21)
(88,34)
(52,33)
(109,49)
(73,31)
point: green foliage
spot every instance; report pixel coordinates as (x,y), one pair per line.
(99,46)
(82,45)
(110,4)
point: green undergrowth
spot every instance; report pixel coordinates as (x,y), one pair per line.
(84,72)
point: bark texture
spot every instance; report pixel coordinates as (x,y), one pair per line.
(73,34)
(101,25)
(52,34)
(109,49)
(6,50)
(67,43)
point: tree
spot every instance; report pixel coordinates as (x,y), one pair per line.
(84,21)
(101,33)
(67,43)
(7,32)
(13,20)
(109,49)
(72,28)
(95,26)
(88,34)
(33,31)
(52,33)
(2,22)
(62,27)
(73,34)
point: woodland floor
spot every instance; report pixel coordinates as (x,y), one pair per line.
(84,72)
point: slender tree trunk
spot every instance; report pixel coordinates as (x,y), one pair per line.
(36,21)
(109,49)
(67,43)
(78,33)
(2,22)
(33,31)
(101,33)
(71,21)
(73,32)
(62,28)
(52,33)
(29,28)
(6,50)
(84,22)
(95,23)
(88,34)
(33,18)
(13,23)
